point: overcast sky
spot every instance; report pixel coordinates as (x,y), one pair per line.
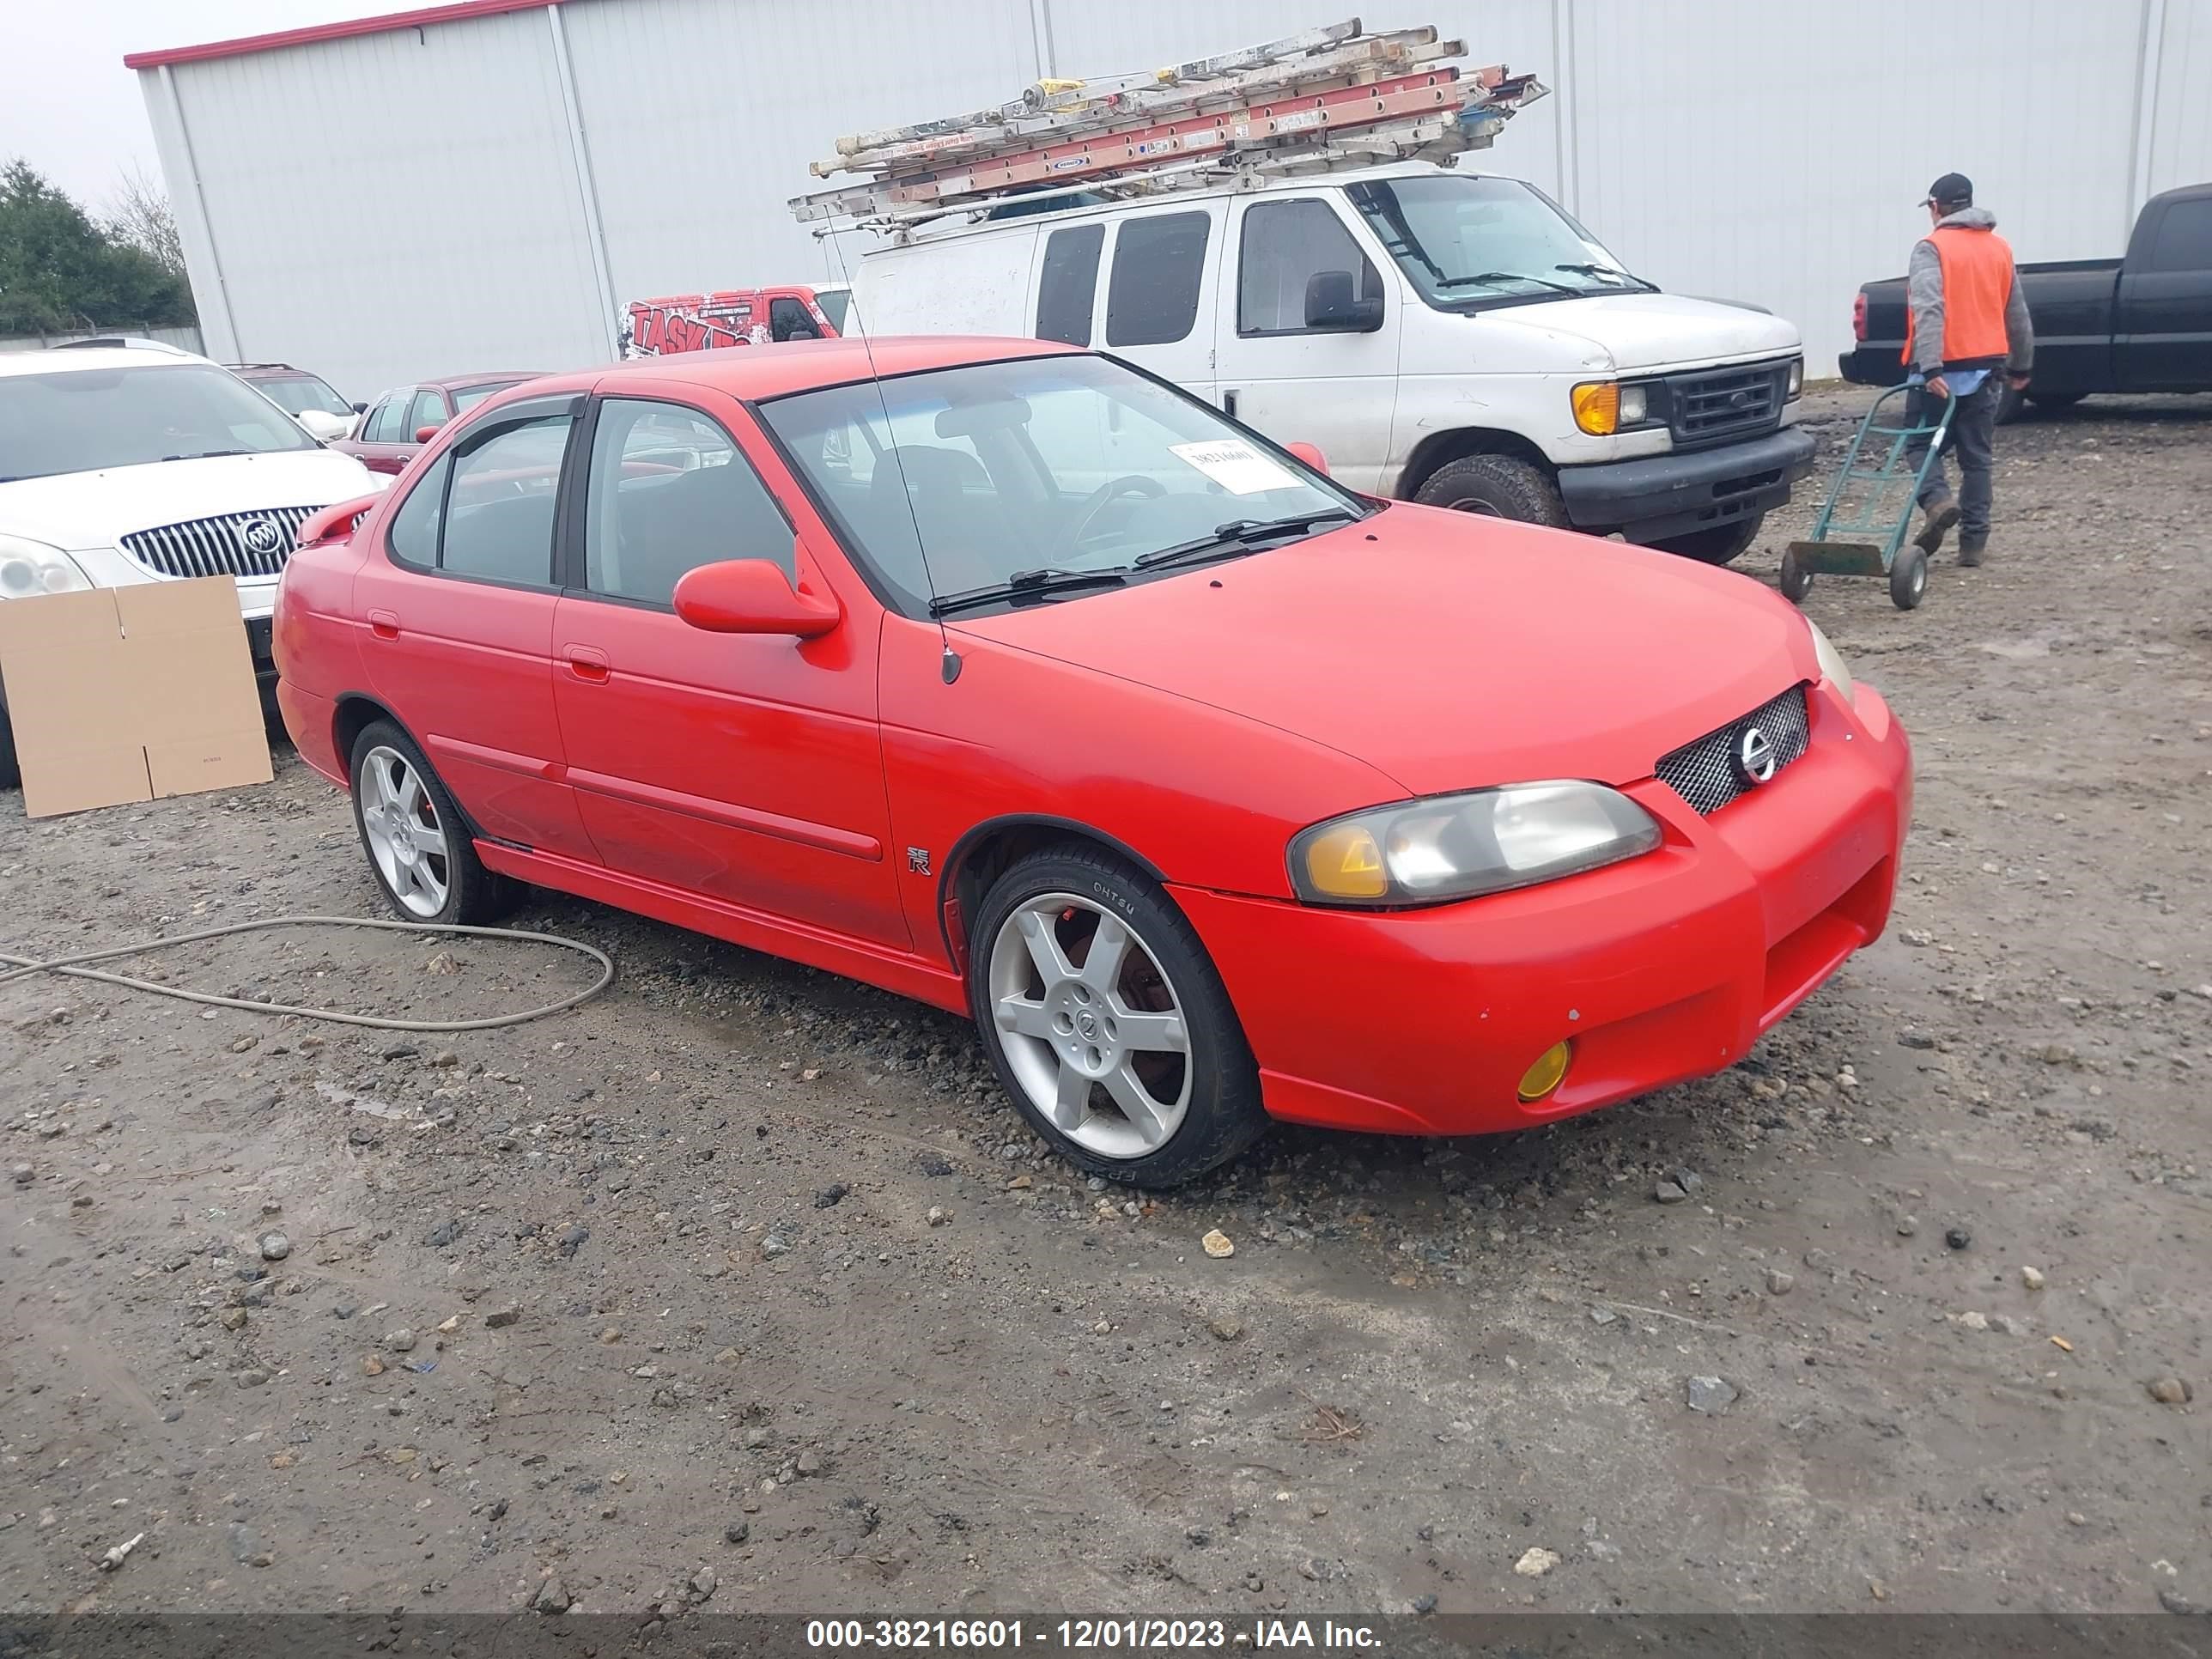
(69,108)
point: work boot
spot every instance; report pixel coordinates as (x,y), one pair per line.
(1971,547)
(1942,514)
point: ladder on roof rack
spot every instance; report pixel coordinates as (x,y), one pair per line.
(1317,100)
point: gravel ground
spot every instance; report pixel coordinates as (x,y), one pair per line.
(743,1288)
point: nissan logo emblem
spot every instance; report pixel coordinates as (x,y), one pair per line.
(262,536)
(1755,759)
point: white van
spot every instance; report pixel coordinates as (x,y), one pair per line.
(1441,336)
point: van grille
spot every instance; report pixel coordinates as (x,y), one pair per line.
(1704,773)
(234,545)
(1714,404)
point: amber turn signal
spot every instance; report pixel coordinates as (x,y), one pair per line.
(1346,863)
(1547,1073)
(1597,407)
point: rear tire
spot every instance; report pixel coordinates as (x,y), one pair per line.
(419,846)
(1722,544)
(2047,400)
(1497,486)
(1131,1065)
(1795,581)
(1908,578)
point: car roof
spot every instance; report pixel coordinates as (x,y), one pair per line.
(57,361)
(504,376)
(755,372)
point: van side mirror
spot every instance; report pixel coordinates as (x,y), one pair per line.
(752,596)
(1332,307)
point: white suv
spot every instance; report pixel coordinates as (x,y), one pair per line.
(139,463)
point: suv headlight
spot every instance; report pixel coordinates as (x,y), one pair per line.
(29,568)
(1457,847)
(1833,668)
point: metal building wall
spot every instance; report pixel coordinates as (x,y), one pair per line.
(476,193)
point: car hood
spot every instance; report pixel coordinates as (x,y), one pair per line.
(1652,330)
(84,510)
(1446,651)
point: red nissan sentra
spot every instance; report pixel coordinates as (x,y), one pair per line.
(1009,678)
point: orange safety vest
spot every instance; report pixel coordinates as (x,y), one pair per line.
(1977,285)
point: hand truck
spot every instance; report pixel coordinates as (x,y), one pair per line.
(1847,546)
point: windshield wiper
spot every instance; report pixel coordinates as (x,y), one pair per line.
(206,454)
(1494,278)
(1240,536)
(1024,583)
(1610,270)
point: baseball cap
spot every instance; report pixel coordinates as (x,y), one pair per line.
(1951,187)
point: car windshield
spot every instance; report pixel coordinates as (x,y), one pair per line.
(1041,467)
(1466,241)
(86,419)
(295,394)
(834,303)
(466,397)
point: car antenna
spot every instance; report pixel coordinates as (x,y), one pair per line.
(949,663)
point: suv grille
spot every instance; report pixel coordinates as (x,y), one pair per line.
(1706,772)
(234,545)
(1714,404)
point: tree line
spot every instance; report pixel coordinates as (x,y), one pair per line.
(61,268)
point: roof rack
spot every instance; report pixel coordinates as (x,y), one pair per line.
(1321,99)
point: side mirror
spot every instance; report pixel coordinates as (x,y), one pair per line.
(361,408)
(1330,304)
(1311,456)
(752,596)
(424,433)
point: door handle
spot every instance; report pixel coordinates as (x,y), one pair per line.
(384,624)
(586,662)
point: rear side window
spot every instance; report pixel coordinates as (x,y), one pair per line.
(499,504)
(2183,241)
(1069,285)
(1286,246)
(413,536)
(1152,299)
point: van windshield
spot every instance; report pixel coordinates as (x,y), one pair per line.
(1013,483)
(1467,243)
(83,420)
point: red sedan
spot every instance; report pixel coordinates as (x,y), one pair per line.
(1011,679)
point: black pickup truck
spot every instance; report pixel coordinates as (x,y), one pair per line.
(2140,324)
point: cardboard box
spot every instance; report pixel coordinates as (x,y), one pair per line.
(130,694)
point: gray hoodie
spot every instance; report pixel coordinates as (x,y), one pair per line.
(1923,287)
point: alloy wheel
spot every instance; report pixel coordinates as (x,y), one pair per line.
(399,822)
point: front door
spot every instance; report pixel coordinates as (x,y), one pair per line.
(744,768)
(1307,333)
(459,614)
(2163,341)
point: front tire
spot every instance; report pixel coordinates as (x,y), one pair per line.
(1722,544)
(1497,486)
(418,844)
(1106,1022)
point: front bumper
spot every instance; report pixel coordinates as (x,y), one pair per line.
(1671,494)
(1665,968)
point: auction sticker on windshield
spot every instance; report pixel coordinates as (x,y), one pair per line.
(1235,466)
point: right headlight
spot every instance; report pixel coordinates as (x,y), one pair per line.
(1457,847)
(1833,668)
(29,568)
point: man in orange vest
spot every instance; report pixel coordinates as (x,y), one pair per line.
(1967,336)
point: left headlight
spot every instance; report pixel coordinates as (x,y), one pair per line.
(1833,668)
(1796,380)
(1457,847)
(29,568)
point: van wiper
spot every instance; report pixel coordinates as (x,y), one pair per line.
(1241,535)
(1024,583)
(1611,271)
(1494,278)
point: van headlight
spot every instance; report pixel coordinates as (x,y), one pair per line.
(1458,846)
(1833,668)
(28,569)
(1796,380)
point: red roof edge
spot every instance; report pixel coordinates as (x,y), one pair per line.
(397,20)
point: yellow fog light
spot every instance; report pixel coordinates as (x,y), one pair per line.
(1346,863)
(1547,1073)
(1597,407)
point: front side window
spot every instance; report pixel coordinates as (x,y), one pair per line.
(668,492)
(2183,241)
(1159,265)
(1467,242)
(384,421)
(951,482)
(499,503)
(85,420)
(787,320)
(1298,261)
(429,410)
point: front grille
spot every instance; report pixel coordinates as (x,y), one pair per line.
(1708,773)
(1714,404)
(234,545)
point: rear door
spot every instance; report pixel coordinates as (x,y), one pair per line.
(2163,338)
(1307,333)
(1158,304)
